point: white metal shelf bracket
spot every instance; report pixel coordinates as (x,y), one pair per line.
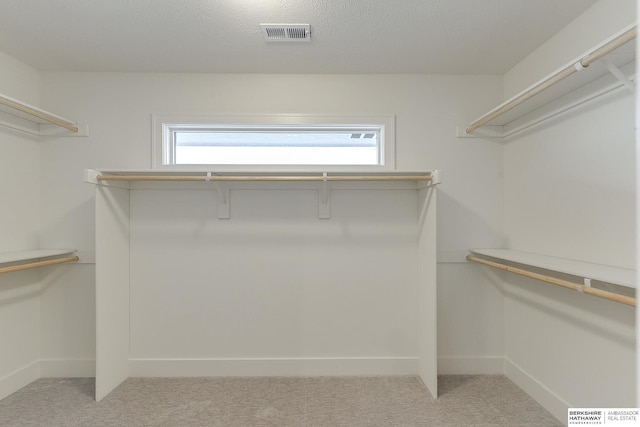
(324,205)
(435,177)
(91,176)
(223,198)
(224,209)
(618,74)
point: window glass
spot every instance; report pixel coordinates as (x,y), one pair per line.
(277,146)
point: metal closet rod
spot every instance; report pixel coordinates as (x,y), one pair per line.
(36,112)
(559,282)
(38,264)
(559,75)
(263,178)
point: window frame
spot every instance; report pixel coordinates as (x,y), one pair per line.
(164,125)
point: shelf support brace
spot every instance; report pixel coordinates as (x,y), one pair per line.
(435,177)
(91,176)
(224,211)
(324,206)
(618,74)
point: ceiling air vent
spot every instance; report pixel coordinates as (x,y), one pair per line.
(286,32)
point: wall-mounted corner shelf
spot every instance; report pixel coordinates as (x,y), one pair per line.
(23,260)
(604,68)
(588,271)
(23,117)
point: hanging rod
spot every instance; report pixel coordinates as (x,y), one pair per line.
(559,282)
(38,264)
(37,112)
(608,47)
(263,178)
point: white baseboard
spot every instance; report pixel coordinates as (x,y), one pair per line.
(470,365)
(273,367)
(67,368)
(500,365)
(46,369)
(540,393)
(16,380)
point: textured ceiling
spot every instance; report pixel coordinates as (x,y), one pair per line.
(223,36)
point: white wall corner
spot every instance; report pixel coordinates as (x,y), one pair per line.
(67,368)
(16,380)
(538,391)
(480,365)
(453,256)
(19,80)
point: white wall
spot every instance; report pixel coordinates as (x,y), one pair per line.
(274,281)
(118,108)
(20,161)
(477,324)
(533,325)
(19,216)
(569,192)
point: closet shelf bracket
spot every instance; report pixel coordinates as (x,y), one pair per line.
(628,83)
(435,177)
(324,207)
(224,200)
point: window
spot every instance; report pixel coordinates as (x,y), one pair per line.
(273,141)
(275,146)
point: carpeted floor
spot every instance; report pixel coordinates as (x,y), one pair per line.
(486,400)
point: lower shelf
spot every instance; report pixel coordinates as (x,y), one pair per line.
(623,278)
(604,273)
(23,260)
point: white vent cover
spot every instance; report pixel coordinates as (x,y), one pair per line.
(286,32)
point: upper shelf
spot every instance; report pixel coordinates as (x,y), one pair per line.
(603,273)
(125,178)
(97,176)
(605,67)
(27,118)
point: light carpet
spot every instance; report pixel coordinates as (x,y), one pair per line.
(485,400)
